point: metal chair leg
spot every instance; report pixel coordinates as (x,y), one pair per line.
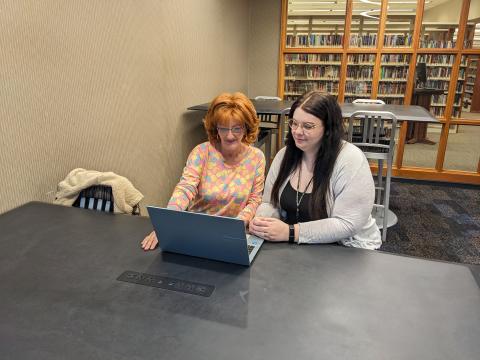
(386,199)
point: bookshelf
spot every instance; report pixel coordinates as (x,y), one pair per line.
(470,83)
(472,35)
(305,72)
(392,84)
(359,77)
(439,71)
(471,98)
(356,50)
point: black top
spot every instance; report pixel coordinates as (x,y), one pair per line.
(288,202)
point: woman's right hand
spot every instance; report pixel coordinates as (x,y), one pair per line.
(150,241)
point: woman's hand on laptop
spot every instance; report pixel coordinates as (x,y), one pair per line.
(270,229)
(150,241)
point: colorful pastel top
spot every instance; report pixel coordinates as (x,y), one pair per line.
(209,185)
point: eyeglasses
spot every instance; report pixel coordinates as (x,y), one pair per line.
(236,130)
(294,125)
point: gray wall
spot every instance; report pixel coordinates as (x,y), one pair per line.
(263,47)
(104,85)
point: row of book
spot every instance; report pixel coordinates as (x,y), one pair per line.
(360,72)
(314,40)
(391,88)
(387,72)
(436,59)
(308,39)
(439,99)
(358,87)
(395,58)
(300,87)
(314,71)
(437,44)
(361,59)
(397,40)
(437,84)
(359,40)
(313,58)
(438,111)
(439,72)
(456,112)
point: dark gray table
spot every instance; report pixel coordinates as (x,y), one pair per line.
(403,112)
(268,107)
(59,298)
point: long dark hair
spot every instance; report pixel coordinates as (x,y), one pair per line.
(326,108)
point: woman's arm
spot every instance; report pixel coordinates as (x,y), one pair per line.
(187,187)
(255,196)
(353,196)
(266,209)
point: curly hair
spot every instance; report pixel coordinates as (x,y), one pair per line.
(226,107)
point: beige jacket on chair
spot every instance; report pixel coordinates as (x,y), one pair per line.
(125,195)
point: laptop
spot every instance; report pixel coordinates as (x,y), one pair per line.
(207,236)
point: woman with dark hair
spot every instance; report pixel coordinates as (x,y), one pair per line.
(319,188)
(225,175)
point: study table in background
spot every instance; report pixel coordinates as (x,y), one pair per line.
(411,113)
(402,112)
(60,298)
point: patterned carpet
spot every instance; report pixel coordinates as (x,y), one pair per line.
(435,220)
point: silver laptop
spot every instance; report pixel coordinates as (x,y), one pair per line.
(207,236)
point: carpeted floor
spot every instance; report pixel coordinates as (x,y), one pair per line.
(435,220)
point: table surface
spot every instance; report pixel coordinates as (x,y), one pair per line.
(60,298)
(261,106)
(403,112)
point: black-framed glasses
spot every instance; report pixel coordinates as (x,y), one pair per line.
(236,130)
(294,125)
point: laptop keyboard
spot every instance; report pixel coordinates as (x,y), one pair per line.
(250,248)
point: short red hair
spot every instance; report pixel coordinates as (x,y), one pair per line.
(234,106)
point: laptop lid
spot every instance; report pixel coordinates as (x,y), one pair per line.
(208,236)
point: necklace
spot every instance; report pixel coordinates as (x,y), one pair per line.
(298,201)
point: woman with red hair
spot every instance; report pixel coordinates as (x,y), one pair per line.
(225,175)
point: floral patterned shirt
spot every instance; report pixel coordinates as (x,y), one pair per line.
(209,185)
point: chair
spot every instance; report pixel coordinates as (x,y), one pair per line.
(368,101)
(267,98)
(270,124)
(367,130)
(100,198)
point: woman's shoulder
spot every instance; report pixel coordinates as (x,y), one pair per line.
(203,148)
(280,154)
(255,153)
(350,153)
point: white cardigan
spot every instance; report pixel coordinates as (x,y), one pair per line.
(349,204)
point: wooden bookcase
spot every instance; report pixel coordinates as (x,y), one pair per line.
(355,58)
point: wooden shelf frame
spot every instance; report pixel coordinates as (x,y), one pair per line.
(438,173)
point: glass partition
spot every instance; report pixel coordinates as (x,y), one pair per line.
(315,24)
(400,23)
(305,72)
(472,33)
(467,92)
(365,23)
(440,23)
(393,78)
(359,79)
(463,149)
(439,69)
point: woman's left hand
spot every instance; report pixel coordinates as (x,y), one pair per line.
(270,229)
